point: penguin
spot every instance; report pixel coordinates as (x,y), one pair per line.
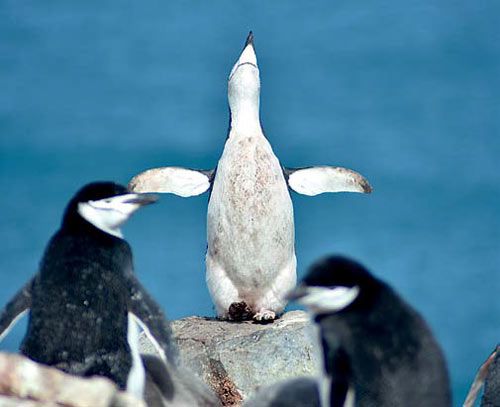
(376,349)
(250,259)
(85,304)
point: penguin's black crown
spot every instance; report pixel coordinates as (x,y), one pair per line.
(91,192)
(99,190)
(337,271)
(337,283)
(103,207)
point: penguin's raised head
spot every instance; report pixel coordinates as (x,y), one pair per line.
(244,80)
(333,284)
(105,205)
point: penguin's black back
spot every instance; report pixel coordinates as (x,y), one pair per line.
(391,356)
(78,319)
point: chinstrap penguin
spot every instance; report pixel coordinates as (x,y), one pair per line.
(85,304)
(377,350)
(250,260)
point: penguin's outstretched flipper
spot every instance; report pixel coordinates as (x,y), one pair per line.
(151,319)
(174,180)
(320,179)
(15,309)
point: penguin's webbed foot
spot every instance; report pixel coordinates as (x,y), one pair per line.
(239,311)
(264,316)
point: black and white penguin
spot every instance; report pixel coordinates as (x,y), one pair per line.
(376,349)
(85,304)
(250,261)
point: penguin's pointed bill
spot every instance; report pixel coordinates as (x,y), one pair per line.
(174,180)
(247,56)
(249,40)
(108,214)
(318,180)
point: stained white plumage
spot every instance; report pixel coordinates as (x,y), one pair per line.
(250,260)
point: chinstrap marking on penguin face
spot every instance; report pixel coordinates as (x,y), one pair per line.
(244,92)
(109,214)
(247,56)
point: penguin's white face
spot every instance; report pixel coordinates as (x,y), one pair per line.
(244,85)
(109,214)
(323,300)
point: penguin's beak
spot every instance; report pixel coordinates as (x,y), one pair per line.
(247,56)
(249,40)
(141,199)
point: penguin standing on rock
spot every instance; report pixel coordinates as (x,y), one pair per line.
(250,261)
(377,350)
(85,304)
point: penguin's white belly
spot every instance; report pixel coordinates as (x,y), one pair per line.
(250,220)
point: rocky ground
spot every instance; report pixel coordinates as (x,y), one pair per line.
(234,359)
(24,383)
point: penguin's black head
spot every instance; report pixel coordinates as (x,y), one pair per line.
(105,206)
(333,284)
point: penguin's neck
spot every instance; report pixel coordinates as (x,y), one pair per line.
(245,118)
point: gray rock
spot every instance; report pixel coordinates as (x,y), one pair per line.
(236,359)
(26,383)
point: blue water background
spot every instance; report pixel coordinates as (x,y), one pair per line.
(407,93)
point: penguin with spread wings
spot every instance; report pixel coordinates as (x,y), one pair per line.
(250,261)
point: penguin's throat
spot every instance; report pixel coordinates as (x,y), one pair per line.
(245,118)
